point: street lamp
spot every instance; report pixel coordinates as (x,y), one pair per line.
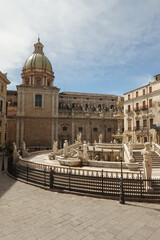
(121,199)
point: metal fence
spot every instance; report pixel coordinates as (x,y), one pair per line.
(95,185)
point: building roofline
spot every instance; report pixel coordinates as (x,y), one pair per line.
(87,94)
(136,89)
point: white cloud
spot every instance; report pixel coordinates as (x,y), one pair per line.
(78,32)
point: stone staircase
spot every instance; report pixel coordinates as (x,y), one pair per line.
(139,158)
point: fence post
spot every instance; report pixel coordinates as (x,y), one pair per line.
(27,172)
(69,178)
(44,177)
(51,178)
(141,183)
(102,181)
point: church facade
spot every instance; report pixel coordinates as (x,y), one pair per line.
(38,113)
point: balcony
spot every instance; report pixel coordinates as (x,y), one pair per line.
(142,128)
(129,111)
(143,108)
(137,109)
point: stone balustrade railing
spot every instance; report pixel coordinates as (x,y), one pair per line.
(156,148)
(80,171)
(138,146)
(108,146)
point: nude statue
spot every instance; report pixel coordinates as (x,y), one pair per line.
(65,148)
(100,138)
(85,152)
(55,146)
(147,164)
(79,136)
(24,146)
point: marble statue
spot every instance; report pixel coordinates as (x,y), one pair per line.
(14,147)
(55,146)
(16,154)
(65,149)
(130,148)
(147,164)
(23,146)
(100,138)
(79,136)
(85,153)
(114,141)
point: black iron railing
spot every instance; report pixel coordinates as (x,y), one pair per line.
(95,185)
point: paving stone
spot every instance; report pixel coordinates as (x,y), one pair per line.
(31,213)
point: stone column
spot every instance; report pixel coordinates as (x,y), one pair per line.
(33,80)
(23,101)
(19,98)
(102,130)
(73,131)
(53,108)
(52,133)
(17,132)
(88,131)
(56,100)
(56,129)
(22,131)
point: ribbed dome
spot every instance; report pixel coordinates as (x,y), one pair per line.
(38,60)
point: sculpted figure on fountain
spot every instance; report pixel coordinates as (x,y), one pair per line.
(147,165)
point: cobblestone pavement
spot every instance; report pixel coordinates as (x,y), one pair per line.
(28,212)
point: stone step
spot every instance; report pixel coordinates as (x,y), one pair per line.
(139,158)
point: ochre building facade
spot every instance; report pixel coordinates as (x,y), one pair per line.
(38,113)
(3,96)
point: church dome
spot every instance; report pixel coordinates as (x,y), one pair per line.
(38,59)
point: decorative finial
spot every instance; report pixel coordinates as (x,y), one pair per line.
(38,38)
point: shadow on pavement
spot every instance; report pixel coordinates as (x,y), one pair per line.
(6,182)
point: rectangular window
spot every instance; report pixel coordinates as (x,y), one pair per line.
(150,102)
(129,108)
(137,125)
(38,100)
(150,89)
(38,82)
(129,125)
(64,129)
(109,129)
(128,96)
(1,106)
(137,94)
(95,129)
(0,123)
(144,104)
(2,88)
(151,123)
(137,106)
(143,91)
(80,129)
(0,138)
(144,123)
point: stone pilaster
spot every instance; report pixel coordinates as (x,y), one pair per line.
(17,131)
(73,131)
(22,131)
(56,129)
(88,131)
(52,133)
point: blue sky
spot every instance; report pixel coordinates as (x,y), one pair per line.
(98,46)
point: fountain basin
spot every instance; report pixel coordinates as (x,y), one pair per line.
(71,162)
